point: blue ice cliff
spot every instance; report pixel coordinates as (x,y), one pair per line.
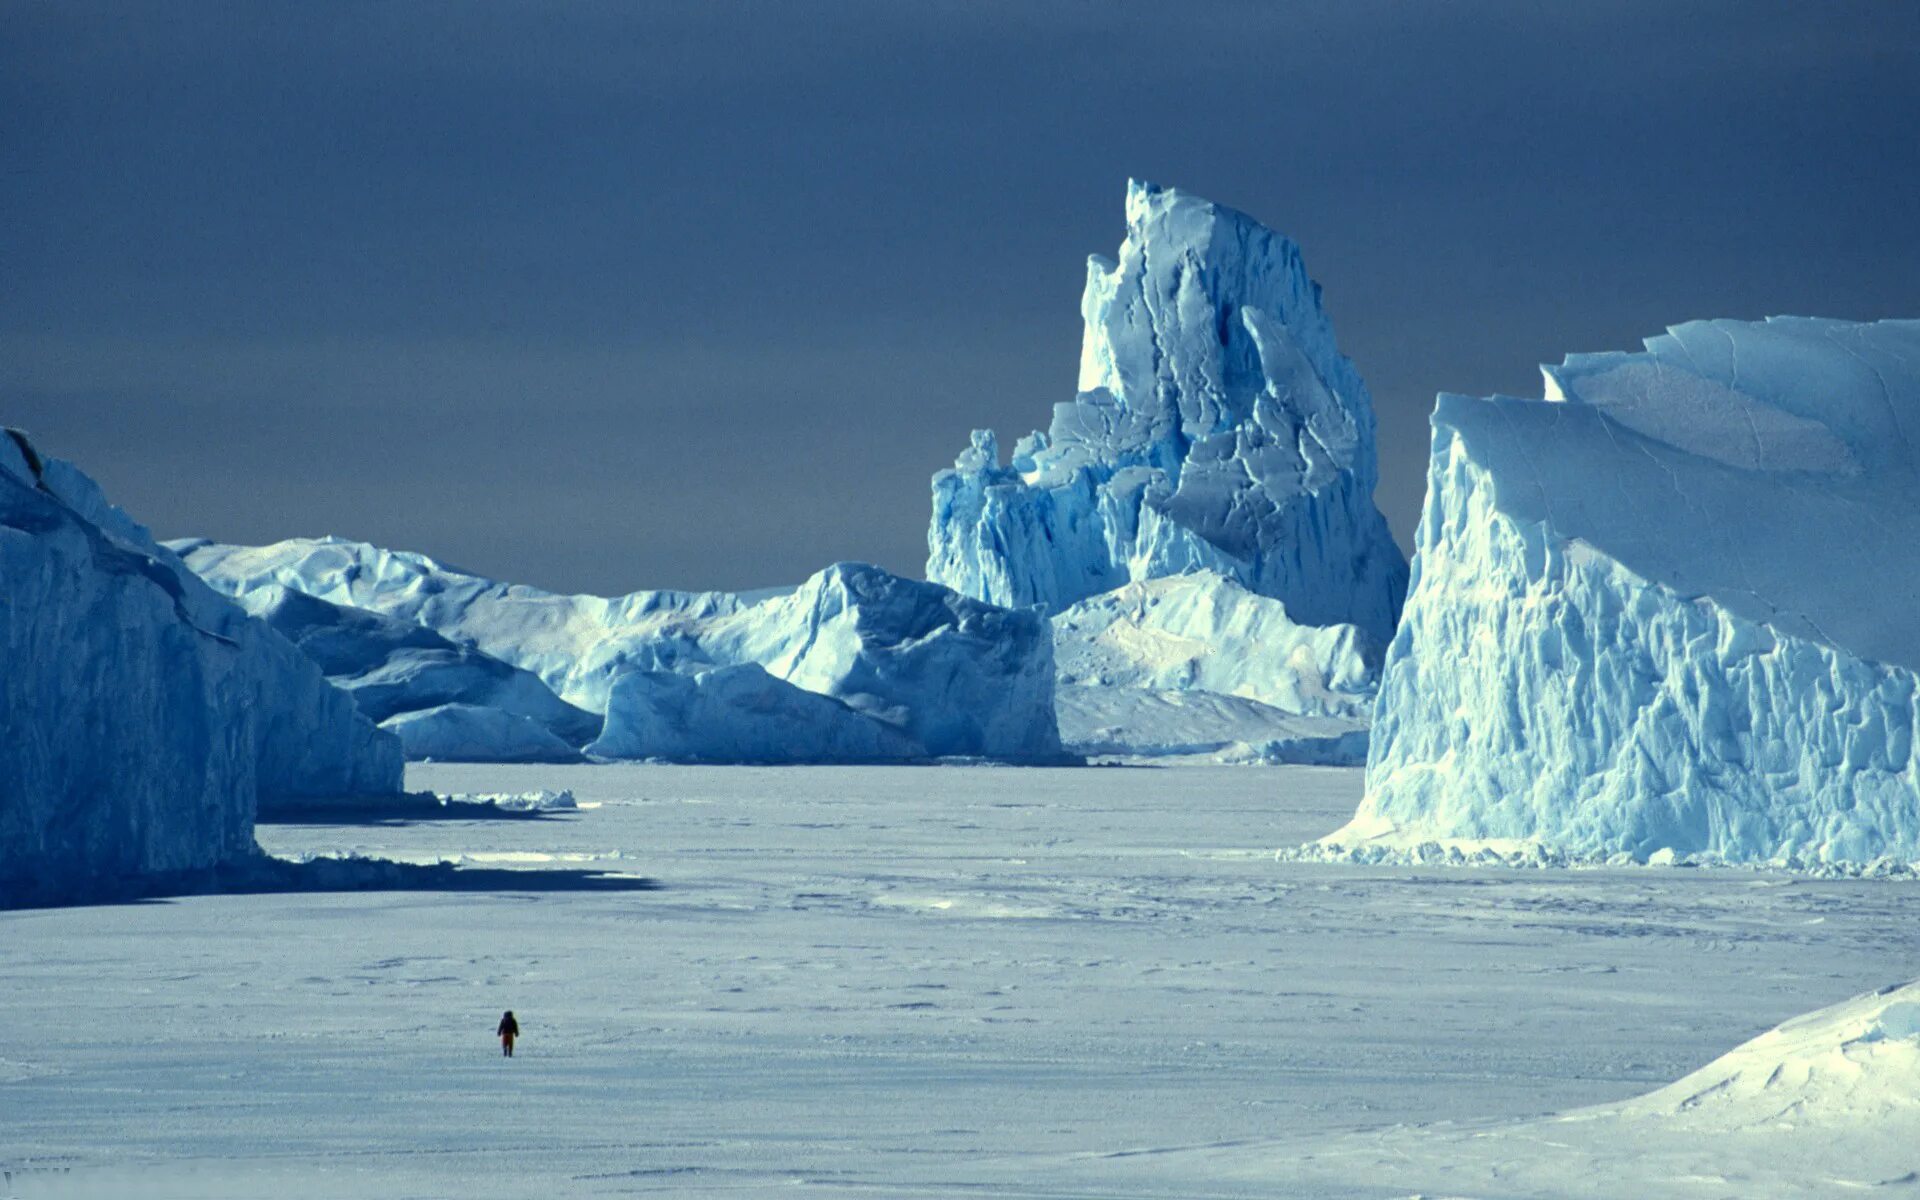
(146,716)
(1671,608)
(1217,428)
(855,664)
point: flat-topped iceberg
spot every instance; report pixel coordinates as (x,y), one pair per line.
(1668,608)
(1217,427)
(951,675)
(146,717)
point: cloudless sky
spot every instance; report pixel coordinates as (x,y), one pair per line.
(610,296)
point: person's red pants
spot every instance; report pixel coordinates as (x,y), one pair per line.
(506,1044)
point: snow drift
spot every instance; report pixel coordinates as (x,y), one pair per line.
(953,676)
(146,716)
(1668,607)
(1217,427)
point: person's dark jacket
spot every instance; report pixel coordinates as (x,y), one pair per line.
(508,1027)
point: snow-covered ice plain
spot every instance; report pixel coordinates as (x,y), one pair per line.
(876,981)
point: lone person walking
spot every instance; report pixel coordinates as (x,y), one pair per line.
(509,1030)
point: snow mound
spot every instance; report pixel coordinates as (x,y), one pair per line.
(445,701)
(146,717)
(1668,608)
(955,675)
(739,714)
(1217,427)
(1851,1065)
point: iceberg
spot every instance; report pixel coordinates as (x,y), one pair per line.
(740,714)
(1198,665)
(444,701)
(1667,609)
(955,676)
(1217,427)
(146,717)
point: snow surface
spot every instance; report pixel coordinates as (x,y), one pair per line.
(443,700)
(1670,607)
(952,675)
(145,717)
(1217,427)
(924,982)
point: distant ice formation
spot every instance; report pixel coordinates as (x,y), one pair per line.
(443,700)
(740,714)
(1197,665)
(145,716)
(1671,607)
(946,675)
(1217,427)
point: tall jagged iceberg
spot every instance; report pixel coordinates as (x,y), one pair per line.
(1217,428)
(1670,607)
(145,717)
(946,675)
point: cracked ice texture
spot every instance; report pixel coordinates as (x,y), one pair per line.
(1217,427)
(146,716)
(953,675)
(1672,606)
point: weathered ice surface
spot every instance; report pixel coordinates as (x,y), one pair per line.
(956,676)
(444,701)
(1217,427)
(739,714)
(1669,608)
(145,716)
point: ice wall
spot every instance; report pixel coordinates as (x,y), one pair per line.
(1670,607)
(1217,427)
(145,716)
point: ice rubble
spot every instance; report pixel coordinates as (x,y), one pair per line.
(146,717)
(1669,609)
(443,700)
(1197,665)
(950,675)
(1217,427)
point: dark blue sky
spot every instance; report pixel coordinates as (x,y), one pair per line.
(612,296)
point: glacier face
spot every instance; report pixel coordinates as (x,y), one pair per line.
(955,676)
(1217,428)
(146,717)
(1669,607)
